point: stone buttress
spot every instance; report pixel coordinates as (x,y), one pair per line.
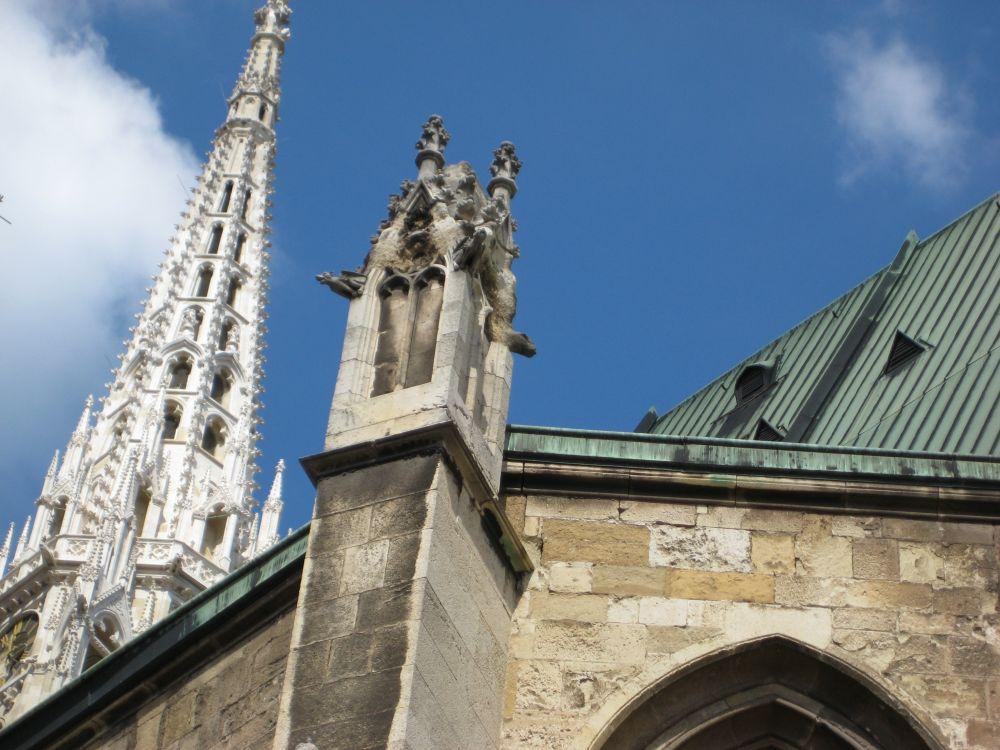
(412,570)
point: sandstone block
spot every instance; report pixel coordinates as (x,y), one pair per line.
(876,558)
(819,553)
(919,563)
(789,522)
(968,533)
(570,579)
(623,610)
(577,641)
(856,526)
(583,607)
(585,689)
(675,514)
(583,508)
(803,591)
(700,548)
(912,529)
(721,516)
(973,657)
(629,581)
(667,640)
(864,619)
(964,601)
(602,543)
(654,610)
(888,594)
(958,697)
(772,553)
(539,685)
(926,622)
(808,624)
(740,587)
(364,567)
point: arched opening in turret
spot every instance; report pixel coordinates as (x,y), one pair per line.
(179,373)
(262,112)
(423,338)
(16,641)
(392,334)
(214,240)
(105,637)
(769,693)
(204,282)
(213,440)
(227,197)
(215,534)
(172,414)
(247,197)
(142,503)
(118,431)
(233,292)
(241,241)
(229,336)
(58,517)
(222,386)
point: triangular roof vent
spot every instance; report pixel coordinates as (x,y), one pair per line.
(903,350)
(765,431)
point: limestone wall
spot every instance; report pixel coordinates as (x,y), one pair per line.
(231,702)
(627,592)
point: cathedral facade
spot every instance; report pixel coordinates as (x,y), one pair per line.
(802,555)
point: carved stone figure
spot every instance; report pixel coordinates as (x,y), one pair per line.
(348,284)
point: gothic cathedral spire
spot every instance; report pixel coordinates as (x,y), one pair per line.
(153,502)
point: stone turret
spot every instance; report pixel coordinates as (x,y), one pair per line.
(411,557)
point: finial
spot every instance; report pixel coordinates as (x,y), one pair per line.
(505,168)
(22,541)
(431,146)
(84,424)
(274,496)
(5,550)
(273,18)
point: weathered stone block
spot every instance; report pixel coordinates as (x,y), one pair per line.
(577,641)
(720,516)
(772,553)
(856,526)
(582,508)
(700,548)
(570,579)
(401,515)
(864,619)
(623,610)
(912,529)
(740,587)
(957,697)
(790,522)
(675,514)
(876,558)
(667,640)
(654,610)
(629,581)
(583,607)
(919,563)
(364,567)
(888,594)
(602,543)
(819,553)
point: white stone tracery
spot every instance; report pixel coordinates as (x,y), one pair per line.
(82,562)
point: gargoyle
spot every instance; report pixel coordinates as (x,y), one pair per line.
(348,284)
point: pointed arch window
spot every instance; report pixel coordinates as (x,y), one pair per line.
(172,414)
(214,536)
(142,503)
(393,319)
(234,292)
(204,283)
(241,241)
(214,240)
(423,337)
(262,112)
(222,386)
(179,373)
(247,197)
(213,440)
(227,197)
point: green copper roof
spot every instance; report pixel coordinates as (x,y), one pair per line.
(827,382)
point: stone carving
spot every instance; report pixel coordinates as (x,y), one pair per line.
(348,284)
(505,162)
(435,137)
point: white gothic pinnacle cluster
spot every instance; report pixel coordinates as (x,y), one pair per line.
(152,501)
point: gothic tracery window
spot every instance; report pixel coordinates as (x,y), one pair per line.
(214,437)
(233,294)
(214,240)
(180,371)
(204,282)
(241,241)
(227,197)
(222,385)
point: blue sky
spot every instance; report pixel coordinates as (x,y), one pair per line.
(698,178)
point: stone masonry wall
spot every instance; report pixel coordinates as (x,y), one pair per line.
(231,702)
(626,592)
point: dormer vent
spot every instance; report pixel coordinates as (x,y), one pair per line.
(904,349)
(753,380)
(766,431)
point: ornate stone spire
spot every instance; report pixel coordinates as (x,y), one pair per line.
(5,550)
(431,145)
(166,472)
(504,169)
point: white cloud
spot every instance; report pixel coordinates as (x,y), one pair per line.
(899,111)
(91,184)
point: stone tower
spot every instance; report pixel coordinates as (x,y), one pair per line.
(152,502)
(412,569)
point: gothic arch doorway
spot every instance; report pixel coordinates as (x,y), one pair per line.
(769,694)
